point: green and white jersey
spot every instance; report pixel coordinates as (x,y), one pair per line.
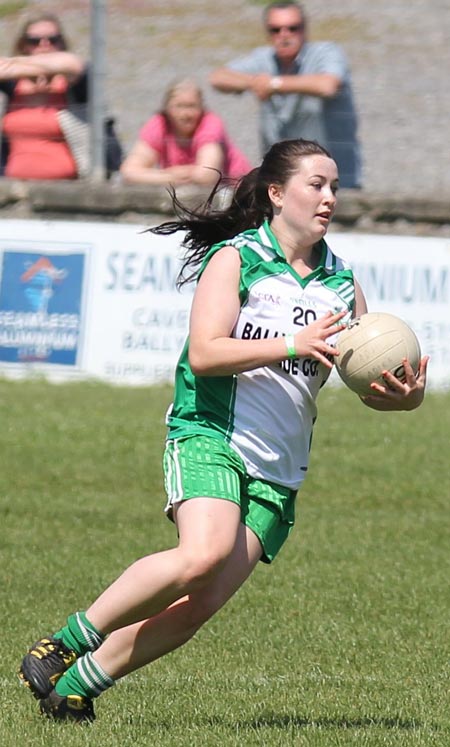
(267,414)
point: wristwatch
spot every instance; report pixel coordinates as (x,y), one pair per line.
(276,82)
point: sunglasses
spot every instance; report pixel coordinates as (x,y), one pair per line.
(34,41)
(292,29)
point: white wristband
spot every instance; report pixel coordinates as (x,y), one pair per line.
(290,346)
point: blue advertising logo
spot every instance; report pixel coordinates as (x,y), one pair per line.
(40,307)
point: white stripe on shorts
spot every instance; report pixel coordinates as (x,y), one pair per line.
(174,482)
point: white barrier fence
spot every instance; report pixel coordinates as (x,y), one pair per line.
(99,299)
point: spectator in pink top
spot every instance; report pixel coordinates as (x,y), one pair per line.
(183,144)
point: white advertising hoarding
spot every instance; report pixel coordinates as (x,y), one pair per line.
(138,321)
(99,299)
(409,277)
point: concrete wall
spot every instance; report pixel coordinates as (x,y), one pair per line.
(114,201)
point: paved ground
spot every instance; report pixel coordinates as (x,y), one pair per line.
(398,50)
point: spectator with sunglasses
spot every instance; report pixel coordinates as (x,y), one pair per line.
(304,89)
(46,89)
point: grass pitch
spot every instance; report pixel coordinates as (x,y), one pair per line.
(343,641)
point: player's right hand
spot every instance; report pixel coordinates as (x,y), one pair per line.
(312,340)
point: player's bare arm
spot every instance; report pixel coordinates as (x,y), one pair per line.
(212,352)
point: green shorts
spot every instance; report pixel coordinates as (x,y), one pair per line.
(203,466)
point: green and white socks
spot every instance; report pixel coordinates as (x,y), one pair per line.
(79,634)
(86,677)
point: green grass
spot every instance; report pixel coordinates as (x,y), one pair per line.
(343,641)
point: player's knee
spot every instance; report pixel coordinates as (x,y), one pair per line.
(201,566)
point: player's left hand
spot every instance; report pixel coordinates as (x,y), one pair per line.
(396,394)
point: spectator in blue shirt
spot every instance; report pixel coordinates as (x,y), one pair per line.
(304,89)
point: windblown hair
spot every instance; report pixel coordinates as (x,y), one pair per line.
(20,46)
(249,207)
